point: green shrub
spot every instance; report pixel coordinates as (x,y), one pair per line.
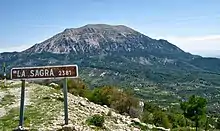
(218,124)
(7,100)
(122,101)
(147,117)
(96,120)
(109,113)
(177,120)
(161,119)
(150,107)
(101,96)
(77,87)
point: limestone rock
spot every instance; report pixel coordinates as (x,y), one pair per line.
(69,127)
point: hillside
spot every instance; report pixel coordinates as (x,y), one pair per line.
(157,70)
(44,110)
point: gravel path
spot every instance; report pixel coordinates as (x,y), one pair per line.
(15,91)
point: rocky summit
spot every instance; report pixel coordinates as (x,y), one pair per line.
(101,38)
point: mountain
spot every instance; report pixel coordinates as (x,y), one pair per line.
(121,56)
(102,39)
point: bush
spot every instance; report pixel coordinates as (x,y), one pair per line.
(177,120)
(123,102)
(218,123)
(151,107)
(96,120)
(109,113)
(101,96)
(161,119)
(77,87)
(147,117)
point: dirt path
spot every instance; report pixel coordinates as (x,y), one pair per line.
(16,92)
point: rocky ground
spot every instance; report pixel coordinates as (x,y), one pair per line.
(44,111)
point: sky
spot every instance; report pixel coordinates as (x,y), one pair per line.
(192,25)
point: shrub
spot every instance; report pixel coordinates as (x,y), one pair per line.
(218,123)
(101,96)
(177,120)
(147,117)
(109,113)
(123,102)
(150,107)
(96,120)
(161,119)
(77,87)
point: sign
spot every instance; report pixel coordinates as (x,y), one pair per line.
(45,72)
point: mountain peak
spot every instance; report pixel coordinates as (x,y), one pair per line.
(105,26)
(102,38)
(101,28)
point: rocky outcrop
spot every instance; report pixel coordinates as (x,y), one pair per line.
(80,109)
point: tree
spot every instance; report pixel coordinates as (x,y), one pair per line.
(194,109)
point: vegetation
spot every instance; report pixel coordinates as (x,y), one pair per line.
(7,100)
(96,120)
(218,124)
(77,87)
(195,109)
(120,100)
(183,115)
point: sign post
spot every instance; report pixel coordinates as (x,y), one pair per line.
(65,101)
(44,72)
(4,70)
(21,120)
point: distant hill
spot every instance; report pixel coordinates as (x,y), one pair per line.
(118,55)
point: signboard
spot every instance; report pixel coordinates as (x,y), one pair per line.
(44,72)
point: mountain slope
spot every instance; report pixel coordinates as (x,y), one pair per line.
(44,110)
(99,38)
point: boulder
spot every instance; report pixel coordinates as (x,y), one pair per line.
(82,103)
(162,128)
(136,120)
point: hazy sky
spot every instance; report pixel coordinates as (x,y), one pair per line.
(193,25)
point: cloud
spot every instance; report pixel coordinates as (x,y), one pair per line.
(208,45)
(195,18)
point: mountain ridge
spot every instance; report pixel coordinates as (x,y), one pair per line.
(92,36)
